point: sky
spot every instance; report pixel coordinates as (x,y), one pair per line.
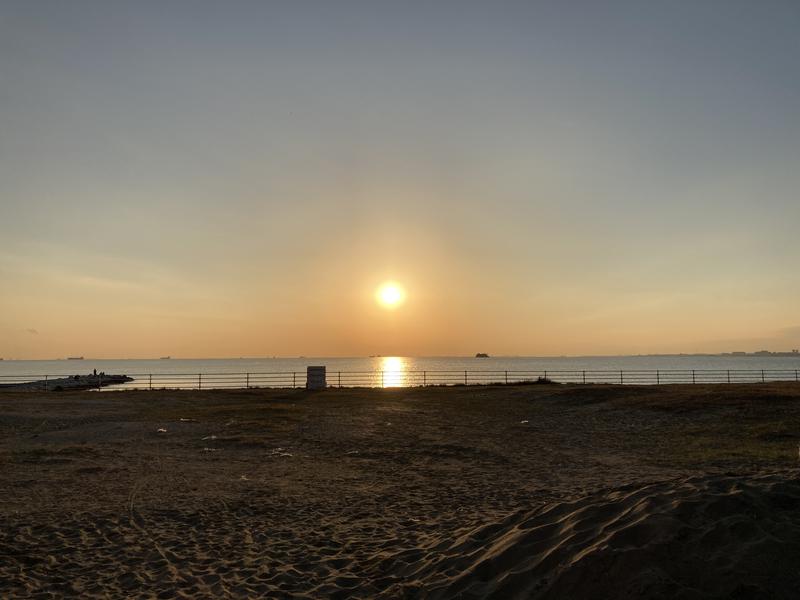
(224,179)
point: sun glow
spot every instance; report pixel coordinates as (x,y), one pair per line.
(390,295)
(392,371)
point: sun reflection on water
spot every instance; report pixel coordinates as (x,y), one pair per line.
(393,371)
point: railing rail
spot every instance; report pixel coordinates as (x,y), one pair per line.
(410,378)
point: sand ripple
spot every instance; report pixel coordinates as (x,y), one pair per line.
(709,537)
(703,537)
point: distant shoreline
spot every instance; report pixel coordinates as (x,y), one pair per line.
(757,354)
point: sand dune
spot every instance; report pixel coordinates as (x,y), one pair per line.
(706,537)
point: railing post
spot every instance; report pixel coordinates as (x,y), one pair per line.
(151,381)
(658,377)
(795,375)
(729,375)
(340,379)
(465,377)
(506,377)
(762,375)
(424,378)
(199,381)
(693,380)
(584,377)
(247,380)
(545,373)
(45,383)
(294,379)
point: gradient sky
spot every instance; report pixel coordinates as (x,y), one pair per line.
(236,178)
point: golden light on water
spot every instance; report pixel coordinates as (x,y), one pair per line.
(390,295)
(393,371)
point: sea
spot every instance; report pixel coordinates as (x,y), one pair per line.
(399,371)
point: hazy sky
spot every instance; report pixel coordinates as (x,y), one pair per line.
(236,178)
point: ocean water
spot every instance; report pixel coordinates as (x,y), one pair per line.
(404,371)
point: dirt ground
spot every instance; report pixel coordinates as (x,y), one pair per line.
(339,493)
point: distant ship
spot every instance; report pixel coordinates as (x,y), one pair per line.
(481,355)
(74,358)
(165,358)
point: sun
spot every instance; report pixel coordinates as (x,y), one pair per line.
(390,295)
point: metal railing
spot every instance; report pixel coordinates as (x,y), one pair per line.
(403,378)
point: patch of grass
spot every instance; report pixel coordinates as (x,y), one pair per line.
(737,441)
(537,381)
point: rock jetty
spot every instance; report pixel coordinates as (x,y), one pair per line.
(73,382)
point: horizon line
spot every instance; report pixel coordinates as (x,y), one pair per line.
(762,352)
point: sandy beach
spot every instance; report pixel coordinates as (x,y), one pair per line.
(529,491)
